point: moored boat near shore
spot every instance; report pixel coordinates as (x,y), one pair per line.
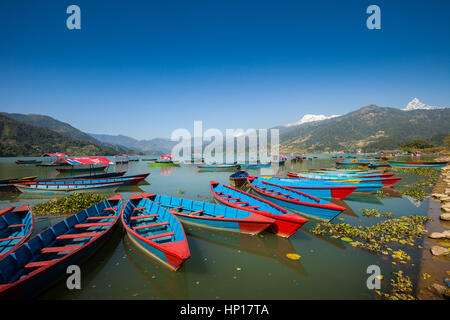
(418,164)
(62,188)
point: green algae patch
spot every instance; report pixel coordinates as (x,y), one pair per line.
(71,204)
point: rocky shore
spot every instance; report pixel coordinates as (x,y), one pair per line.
(435,268)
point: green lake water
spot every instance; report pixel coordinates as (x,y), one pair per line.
(225,265)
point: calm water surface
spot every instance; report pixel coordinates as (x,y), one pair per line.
(226,265)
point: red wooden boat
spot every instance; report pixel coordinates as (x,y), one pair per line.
(286,223)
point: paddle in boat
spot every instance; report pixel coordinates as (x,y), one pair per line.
(16,226)
(209,215)
(286,222)
(295,200)
(156,230)
(40,262)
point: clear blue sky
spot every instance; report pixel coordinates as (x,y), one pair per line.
(144,68)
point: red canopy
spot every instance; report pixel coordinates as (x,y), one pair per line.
(58,155)
(84,160)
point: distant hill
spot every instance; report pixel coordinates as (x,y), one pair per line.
(21,139)
(370,128)
(155,146)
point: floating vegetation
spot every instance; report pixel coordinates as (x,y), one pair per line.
(377,238)
(417,194)
(293,256)
(425,172)
(402,288)
(68,205)
(420,189)
(376,213)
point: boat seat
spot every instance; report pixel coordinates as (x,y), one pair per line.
(285,195)
(161,235)
(110,209)
(10,238)
(37,264)
(78,235)
(17,225)
(221,216)
(229,199)
(224,195)
(59,249)
(251,207)
(196,212)
(176,208)
(144,216)
(273,192)
(152,225)
(88,225)
(241,202)
(138,208)
(219,192)
(100,217)
(158,203)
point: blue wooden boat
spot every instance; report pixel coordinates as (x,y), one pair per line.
(74,169)
(210,215)
(417,164)
(90,176)
(295,200)
(28,161)
(255,166)
(386,182)
(8,184)
(127,180)
(155,230)
(286,222)
(61,188)
(16,226)
(40,262)
(215,167)
(314,187)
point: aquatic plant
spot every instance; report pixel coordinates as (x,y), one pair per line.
(417,194)
(71,204)
(377,238)
(376,213)
(402,288)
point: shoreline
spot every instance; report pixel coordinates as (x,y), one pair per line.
(437,267)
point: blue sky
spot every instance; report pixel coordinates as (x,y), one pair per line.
(145,68)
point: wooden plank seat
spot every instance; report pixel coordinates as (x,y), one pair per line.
(88,225)
(100,217)
(274,192)
(110,209)
(151,225)
(251,207)
(220,216)
(17,225)
(37,264)
(144,216)
(219,192)
(139,208)
(78,235)
(176,208)
(10,238)
(161,235)
(225,195)
(229,199)
(285,195)
(241,202)
(158,203)
(59,249)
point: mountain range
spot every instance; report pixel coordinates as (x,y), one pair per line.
(370,128)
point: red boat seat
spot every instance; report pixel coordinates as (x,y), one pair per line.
(88,225)
(221,216)
(176,208)
(152,225)
(233,199)
(144,216)
(78,235)
(225,195)
(251,207)
(16,225)
(242,202)
(101,217)
(110,209)
(11,238)
(285,195)
(59,249)
(38,264)
(196,212)
(161,235)
(139,208)
(219,192)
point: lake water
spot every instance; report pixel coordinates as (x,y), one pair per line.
(226,265)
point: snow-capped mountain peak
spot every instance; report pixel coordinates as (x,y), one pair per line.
(415,104)
(311,118)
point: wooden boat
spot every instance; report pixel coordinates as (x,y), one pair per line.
(319,190)
(127,180)
(295,200)
(16,226)
(28,161)
(286,222)
(90,176)
(155,230)
(255,166)
(209,215)
(61,188)
(8,184)
(218,167)
(84,169)
(355,175)
(417,164)
(40,262)
(238,179)
(315,187)
(386,182)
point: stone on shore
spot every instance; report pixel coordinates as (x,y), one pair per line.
(439,251)
(439,288)
(437,235)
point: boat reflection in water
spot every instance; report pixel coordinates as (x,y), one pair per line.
(167,171)
(167,284)
(263,245)
(348,211)
(327,238)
